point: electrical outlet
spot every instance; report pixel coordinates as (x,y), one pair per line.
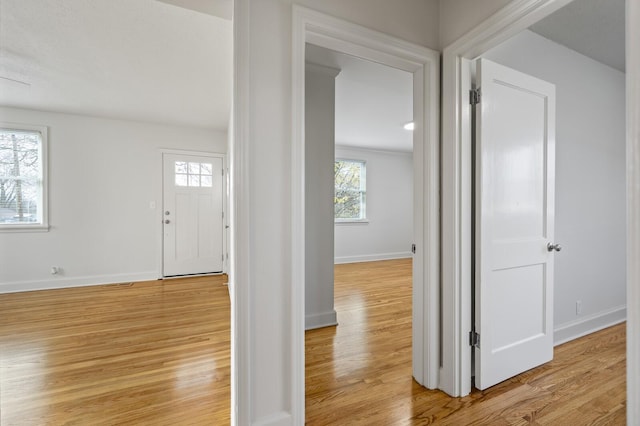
(578,307)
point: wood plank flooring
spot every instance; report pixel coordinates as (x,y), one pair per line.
(151,353)
(157,353)
(359,373)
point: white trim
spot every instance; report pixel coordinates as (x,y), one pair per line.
(456,186)
(325,31)
(160,241)
(589,324)
(90,280)
(325,319)
(341,222)
(371,257)
(321,69)
(378,150)
(281,418)
(188,152)
(242,369)
(633,210)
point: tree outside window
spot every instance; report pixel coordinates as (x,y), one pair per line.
(21,178)
(350,190)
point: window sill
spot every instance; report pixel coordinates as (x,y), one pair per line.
(352,222)
(23,228)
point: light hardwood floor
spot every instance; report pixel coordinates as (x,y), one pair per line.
(359,373)
(157,353)
(151,353)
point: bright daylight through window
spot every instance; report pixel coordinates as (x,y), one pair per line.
(22,178)
(350,191)
(194,174)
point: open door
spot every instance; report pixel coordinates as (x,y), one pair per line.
(515,157)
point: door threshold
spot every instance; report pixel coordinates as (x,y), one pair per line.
(203,274)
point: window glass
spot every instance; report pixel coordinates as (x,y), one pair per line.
(350,190)
(193,174)
(22,183)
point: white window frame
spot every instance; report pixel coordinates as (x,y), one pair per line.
(43,225)
(363,191)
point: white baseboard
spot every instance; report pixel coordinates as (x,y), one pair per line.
(280,418)
(590,324)
(63,282)
(371,257)
(325,319)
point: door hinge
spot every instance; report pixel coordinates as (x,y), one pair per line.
(474,339)
(474,96)
(413,248)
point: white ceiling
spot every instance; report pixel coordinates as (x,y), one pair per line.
(132,59)
(373,101)
(170,61)
(594,28)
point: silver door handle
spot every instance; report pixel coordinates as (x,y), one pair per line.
(552,247)
(167,221)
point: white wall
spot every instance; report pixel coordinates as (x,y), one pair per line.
(320,99)
(590,180)
(388,232)
(103,175)
(268,389)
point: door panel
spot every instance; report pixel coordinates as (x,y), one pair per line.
(515,137)
(192,206)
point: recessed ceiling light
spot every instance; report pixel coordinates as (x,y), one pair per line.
(410,125)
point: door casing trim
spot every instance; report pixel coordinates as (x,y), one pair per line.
(326,31)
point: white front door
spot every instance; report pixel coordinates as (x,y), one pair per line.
(515,157)
(192,214)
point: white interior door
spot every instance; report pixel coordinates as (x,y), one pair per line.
(515,146)
(192,214)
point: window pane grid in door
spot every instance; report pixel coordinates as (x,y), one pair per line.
(193,174)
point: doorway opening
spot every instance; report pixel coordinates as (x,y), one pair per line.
(359,211)
(320,30)
(576,174)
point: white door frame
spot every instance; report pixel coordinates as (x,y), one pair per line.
(456,179)
(325,31)
(633,211)
(160,207)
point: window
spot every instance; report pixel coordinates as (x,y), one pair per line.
(194,174)
(23,192)
(350,191)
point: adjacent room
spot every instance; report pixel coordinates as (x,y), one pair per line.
(93,96)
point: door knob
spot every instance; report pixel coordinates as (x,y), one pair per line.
(552,247)
(167,221)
